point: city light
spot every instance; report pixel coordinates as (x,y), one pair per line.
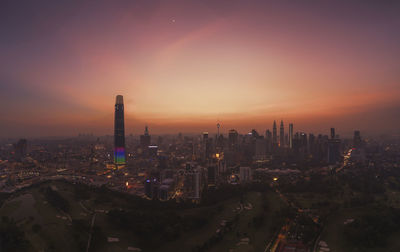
(166,126)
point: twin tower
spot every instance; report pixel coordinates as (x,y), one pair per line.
(119,132)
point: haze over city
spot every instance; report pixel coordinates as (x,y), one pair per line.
(183,66)
(200,126)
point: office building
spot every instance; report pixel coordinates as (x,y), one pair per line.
(281,135)
(145,139)
(192,184)
(232,138)
(212,175)
(357,142)
(274,135)
(291,135)
(333,148)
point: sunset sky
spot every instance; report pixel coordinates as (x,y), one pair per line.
(182,66)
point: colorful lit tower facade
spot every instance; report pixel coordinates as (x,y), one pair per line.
(119,132)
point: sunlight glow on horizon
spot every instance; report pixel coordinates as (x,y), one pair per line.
(243,65)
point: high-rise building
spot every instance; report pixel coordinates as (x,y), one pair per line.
(21,149)
(260,149)
(219,142)
(311,143)
(192,184)
(291,135)
(145,139)
(119,132)
(268,140)
(232,138)
(268,135)
(303,141)
(274,135)
(282,135)
(151,188)
(357,142)
(254,133)
(205,136)
(206,146)
(333,148)
(212,175)
(358,153)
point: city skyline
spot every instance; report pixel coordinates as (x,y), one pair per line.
(201,125)
(183,66)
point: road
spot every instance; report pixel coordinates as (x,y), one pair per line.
(90,232)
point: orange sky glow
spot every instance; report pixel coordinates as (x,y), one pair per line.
(183,67)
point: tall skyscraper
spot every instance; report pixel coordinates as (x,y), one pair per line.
(119,132)
(205,136)
(268,140)
(192,183)
(268,135)
(274,135)
(357,142)
(282,135)
(21,149)
(232,138)
(311,143)
(333,148)
(291,135)
(145,139)
(212,175)
(206,146)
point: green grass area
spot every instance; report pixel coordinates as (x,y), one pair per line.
(259,234)
(393,198)
(48,228)
(42,224)
(243,227)
(335,236)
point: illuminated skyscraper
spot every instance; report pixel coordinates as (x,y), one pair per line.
(119,132)
(291,135)
(282,135)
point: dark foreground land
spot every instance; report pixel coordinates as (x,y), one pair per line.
(339,212)
(60,216)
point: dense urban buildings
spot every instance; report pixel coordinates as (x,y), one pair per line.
(205,168)
(200,126)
